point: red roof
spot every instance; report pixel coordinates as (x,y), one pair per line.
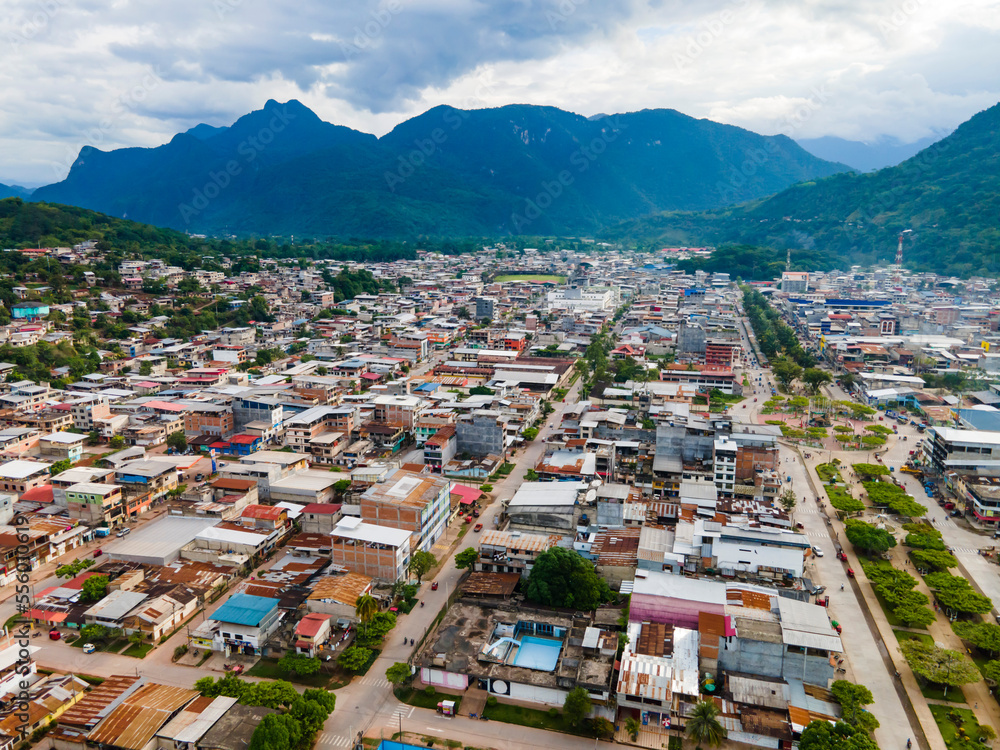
(40,494)
(322,509)
(310,624)
(371,376)
(244,439)
(219,444)
(270,512)
(467,494)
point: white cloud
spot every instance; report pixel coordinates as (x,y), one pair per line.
(112,74)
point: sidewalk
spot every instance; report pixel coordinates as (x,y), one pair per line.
(862,587)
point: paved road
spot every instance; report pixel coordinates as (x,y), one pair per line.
(368,705)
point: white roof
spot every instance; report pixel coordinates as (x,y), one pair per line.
(249,538)
(350,528)
(306,481)
(93,488)
(547,493)
(977,437)
(67,438)
(22,469)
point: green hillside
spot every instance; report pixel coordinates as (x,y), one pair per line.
(948,194)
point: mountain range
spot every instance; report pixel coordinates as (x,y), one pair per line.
(947,194)
(517,169)
(13,191)
(882,152)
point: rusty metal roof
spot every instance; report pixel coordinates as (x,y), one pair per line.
(134,723)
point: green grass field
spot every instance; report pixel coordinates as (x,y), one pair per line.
(539,277)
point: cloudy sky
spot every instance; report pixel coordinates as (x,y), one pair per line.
(113,73)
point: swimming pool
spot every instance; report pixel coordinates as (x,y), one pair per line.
(538,653)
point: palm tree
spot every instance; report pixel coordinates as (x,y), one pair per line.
(703,726)
(632,727)
(365,608)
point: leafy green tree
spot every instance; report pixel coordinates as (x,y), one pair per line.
(991,671)
(868,538)
(398,673)
(577,706)
(420,563)
(342,486)
(933,559)
(323,697)
(276,732)
(955,593)
(563,578)
(941,666)
(983,635)
(93,437)
(117,442)
(787,500)
(703,725)
(177,441)
(94,589)
(466,558)
(852,699)
(914,615)
(822,735)
(95,632)
(786,372)
(299,664)
(814,378)
(60,466)
(354,659)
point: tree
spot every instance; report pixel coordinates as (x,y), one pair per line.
(852,699)
(632,726)
(94,632)
(603,728)
(991,671)
(983,635)
(135,637)
(822,735)
(365,608)
(276,732)
(929,559)
(787,500)
(786,372)
(117,442)
(355,659)
(463,313)
(914,615)
(577,706)
(466,558)
(60,466)
(420,563)
(814,378)
(323,697)
(939,665)
(177,441)
(93,437)
(955,593)
(299,664)
(74,568)
(563,578)
(398,673)
(94,589)
(868,538)
(703,725)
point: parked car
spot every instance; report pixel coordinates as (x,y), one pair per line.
(54,635)
(817,551)
(199,477)
(477,527)
(949,506)
(434,586)
(89,648)
(98,552)
(124,532)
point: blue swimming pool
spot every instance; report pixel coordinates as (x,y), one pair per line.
(538,653)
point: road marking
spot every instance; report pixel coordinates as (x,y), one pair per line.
(403,711)
(334,739)
(373,681)
(966,550)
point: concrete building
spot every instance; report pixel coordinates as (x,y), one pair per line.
(480,433)
(20,476)
(376,551)
(242,625)
(418,503)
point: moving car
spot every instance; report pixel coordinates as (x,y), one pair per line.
(434,586)
(98,552)
(817,551)
(477,527)
(124,532)
(54,635)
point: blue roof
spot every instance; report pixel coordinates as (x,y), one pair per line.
(245,609)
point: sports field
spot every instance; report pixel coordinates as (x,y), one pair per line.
(541,278)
